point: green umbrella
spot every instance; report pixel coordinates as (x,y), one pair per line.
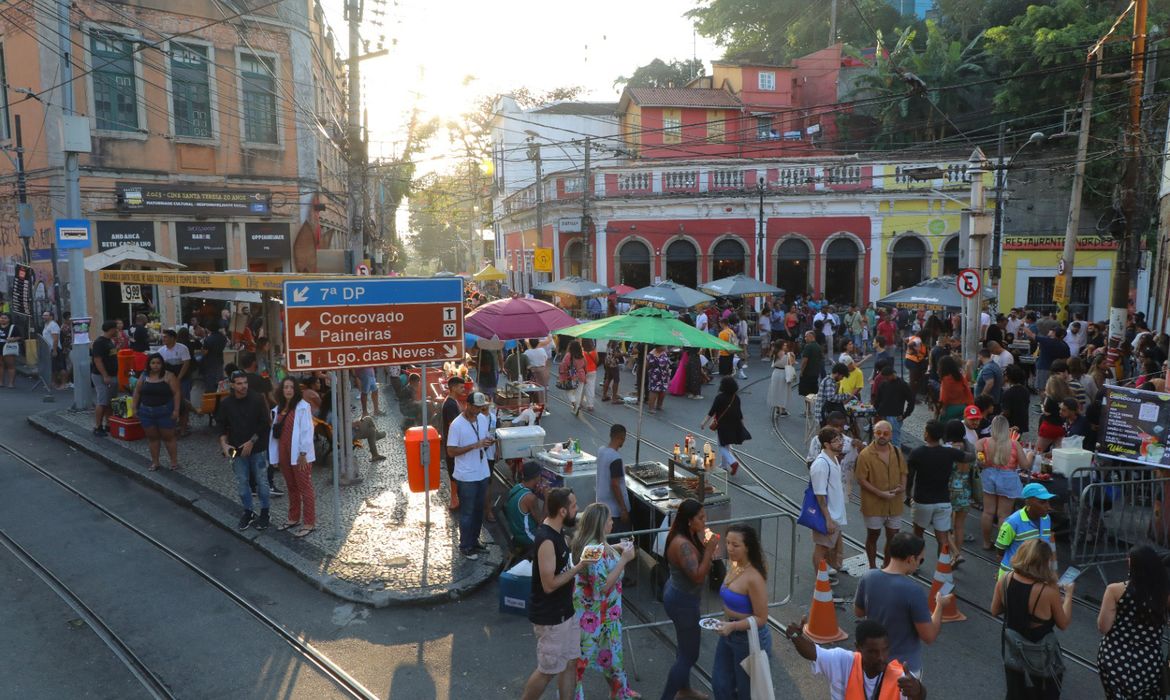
(648,325)
(653,327)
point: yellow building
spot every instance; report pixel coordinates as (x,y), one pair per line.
(919,240)
(1031,264)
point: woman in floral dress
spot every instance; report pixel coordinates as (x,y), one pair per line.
(657,377)
(598,600)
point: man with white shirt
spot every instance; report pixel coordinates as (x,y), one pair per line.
(1002,357)
(984,322)
(701,321)
(878,675)
(825,475)
(1013,323)
(468,444)
(51,333)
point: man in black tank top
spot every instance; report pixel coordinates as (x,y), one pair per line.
(554,622)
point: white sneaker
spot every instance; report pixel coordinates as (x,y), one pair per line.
(830,570)
(742,375)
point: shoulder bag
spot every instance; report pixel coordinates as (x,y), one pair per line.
(1039,659)
(715,423)
(811,515)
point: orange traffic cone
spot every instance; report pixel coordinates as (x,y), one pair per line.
(822,625)
(943,574)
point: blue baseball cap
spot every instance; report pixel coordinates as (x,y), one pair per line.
(1036,491)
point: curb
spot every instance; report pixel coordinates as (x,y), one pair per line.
(301,558)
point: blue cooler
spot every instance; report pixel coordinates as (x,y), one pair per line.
(515,594)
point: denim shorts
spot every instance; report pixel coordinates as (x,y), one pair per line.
(157,416)
(1001,482)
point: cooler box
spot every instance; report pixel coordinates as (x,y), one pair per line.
(128,429)
(516,590)
(414,469)
(517,443)
(1067,459)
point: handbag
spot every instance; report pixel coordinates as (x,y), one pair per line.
(811,515)
(789,373)
(715,423)
(756,665)
(1041,659)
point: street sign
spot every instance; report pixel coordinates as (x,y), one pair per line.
(343,323)
(72,233)
(968,282)
(542,260)
(132,294)
(1060,290)
(363,270)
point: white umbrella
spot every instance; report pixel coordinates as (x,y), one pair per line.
(129,253)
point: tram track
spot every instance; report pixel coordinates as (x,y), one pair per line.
(783,502)
(146,676)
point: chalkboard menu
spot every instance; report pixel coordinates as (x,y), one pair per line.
(20,295)
(1136,426)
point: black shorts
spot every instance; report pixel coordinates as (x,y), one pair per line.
(725,365)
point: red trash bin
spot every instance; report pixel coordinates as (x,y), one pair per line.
(414,468)
(125,364)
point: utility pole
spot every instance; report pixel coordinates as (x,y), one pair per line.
(832,22)
(1063,288)
(1118,311)
(586,221)
(1000,186)
(976,245)
(27,226)
(760,189)
(355,146)
(534,155)
(72,129)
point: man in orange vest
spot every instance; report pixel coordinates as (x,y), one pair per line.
(865,674)
(915,363)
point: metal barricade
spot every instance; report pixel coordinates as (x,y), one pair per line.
(775,530)
(1114,508)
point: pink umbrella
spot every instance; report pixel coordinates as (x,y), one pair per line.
(511,319)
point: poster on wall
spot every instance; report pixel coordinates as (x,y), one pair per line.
(81,330)
(268,241)
(1135,426)
(201,240)
(111,234)
(20,295)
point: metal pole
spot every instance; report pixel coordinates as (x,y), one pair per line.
(78,301)
(972,306)
(641,402)
(586,190)
(1000,185)
(1119,308)
(832,22)
(425,446)
(333,377)
(1063,291)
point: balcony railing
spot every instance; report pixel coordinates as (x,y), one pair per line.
(634,182)
(727,179)
(680,180)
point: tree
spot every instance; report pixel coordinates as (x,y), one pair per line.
(393,182)
(441,220)
(659,73)
(777,31)
(916,91)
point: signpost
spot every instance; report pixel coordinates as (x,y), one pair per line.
(968,282)
(72,233)
(344,323)
(372,322)
(542,260)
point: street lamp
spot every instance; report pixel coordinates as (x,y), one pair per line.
(1000,184)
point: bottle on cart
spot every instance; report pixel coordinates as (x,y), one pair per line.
(677,452)
(569,467)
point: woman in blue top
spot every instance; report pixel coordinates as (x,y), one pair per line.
(745,595)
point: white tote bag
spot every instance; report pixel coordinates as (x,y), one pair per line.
(757,666)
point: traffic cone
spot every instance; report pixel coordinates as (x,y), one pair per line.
(943,574)
(822,625)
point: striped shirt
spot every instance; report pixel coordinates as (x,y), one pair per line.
(1018,529)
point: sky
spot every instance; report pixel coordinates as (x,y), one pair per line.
(507,44)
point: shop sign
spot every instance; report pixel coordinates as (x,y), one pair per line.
(267,241)
(1056,242)
(111,234)
(1136,426)
(178,200)
(201,240)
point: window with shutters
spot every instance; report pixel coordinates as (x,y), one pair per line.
(115,85)
(671,125)
(716,126)
(258,83)
(191,90)
(767,80)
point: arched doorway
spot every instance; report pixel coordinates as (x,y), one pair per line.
(574,261)
(792,261)
(634,264)
(842,262)
(908,259)
(728,258)
(682,263)
(950,257)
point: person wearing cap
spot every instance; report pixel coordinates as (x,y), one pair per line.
(853,382)
(522,508)
(989,381)
(1028,523)
(452,407)
(975,426)
(467,444)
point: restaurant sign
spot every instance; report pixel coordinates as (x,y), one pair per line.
(1056,242)
(190,200)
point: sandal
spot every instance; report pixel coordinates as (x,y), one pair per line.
(287,526)
(153,468)
(175,467)
(490,518)
(304,532)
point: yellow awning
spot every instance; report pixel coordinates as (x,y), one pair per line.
(489,274)
(257,282)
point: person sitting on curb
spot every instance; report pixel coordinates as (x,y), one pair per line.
(854,674)
(522,508)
